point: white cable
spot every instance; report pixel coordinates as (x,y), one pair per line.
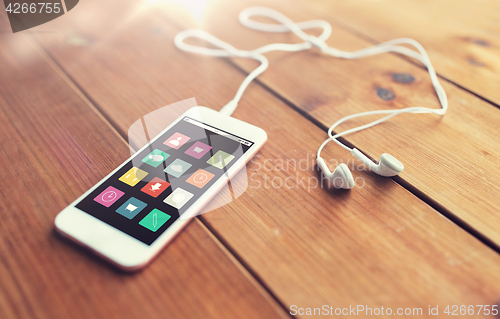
(287,25)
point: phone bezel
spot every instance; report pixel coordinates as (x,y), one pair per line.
(127,252)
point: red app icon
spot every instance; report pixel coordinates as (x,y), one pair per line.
(155,187)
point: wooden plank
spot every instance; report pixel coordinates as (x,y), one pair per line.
(377,245)
(460,36)
(54,147)
(451,160)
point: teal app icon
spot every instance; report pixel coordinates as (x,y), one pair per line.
(154,220)
(131,208)
(155,158)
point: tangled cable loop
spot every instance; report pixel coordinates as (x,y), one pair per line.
(320,44)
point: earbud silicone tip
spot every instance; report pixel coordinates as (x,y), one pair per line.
(340,178)
(346,180)
(391,162)
(387,166)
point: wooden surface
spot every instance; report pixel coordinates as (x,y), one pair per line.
(68,98)
(461,37)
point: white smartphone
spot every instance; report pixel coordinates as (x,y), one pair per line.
(135,211)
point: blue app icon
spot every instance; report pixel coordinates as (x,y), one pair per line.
(131,208)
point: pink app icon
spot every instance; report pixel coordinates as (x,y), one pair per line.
(177,140)
(198,150)
(109,196)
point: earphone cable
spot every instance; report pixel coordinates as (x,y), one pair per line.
(287,25)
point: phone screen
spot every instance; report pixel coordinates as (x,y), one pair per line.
(157,185)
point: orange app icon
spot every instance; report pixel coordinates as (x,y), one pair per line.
(200,178)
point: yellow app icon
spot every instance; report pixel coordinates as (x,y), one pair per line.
(133,176)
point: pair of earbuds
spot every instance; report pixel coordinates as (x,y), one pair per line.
(341,177)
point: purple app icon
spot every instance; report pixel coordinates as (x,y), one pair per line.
(198,149)
(109,196)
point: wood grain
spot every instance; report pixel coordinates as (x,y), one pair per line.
(54,147)
(310,245)
(462,37)
(451,160)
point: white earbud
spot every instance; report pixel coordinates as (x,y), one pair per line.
(340,178)
(388,165)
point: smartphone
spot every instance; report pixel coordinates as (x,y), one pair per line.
(135,211)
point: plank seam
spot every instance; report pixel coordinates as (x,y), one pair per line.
(68,79)
(239,261)
(245,266)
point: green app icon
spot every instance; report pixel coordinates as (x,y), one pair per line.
(220,159)
(155,158)
(154,220)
